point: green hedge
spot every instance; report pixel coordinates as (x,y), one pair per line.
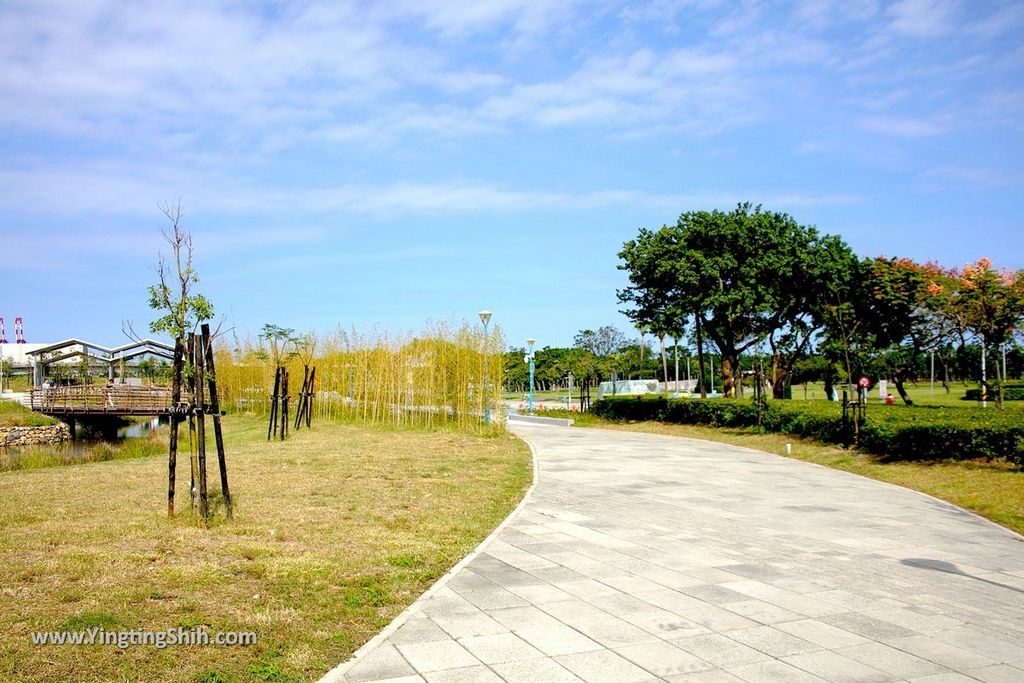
(898,432)
(1012,393)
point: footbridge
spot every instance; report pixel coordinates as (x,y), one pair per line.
(116,398)
(96,399)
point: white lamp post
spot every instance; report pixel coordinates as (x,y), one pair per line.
(529,359)
(485,318)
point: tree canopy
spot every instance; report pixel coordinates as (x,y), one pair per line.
(744,277)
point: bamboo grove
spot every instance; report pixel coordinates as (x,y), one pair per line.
(444,377)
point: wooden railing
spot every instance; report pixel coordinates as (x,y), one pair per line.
(99,399)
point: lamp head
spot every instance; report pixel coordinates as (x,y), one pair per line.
(530,342)
(485,317)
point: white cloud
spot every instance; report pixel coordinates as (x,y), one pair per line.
(904,126)
(923,18)
(106,190)
(984,176)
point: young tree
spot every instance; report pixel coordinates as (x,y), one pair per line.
(183,311)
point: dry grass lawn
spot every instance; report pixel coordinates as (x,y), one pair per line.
(336,530)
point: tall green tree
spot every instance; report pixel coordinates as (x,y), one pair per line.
(990,303)
(744,276)
(603,341)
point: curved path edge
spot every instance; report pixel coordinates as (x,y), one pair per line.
(337,674)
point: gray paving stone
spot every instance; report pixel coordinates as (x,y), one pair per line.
(437,656)
(868,627)
(596,624)
(1000,673)
(517,618)
(662,659)
(820,633)
(558,640)
(500,648)
(836,668)
(469,674)
(383,663)
(538,594)
(713,676)
(949,656)
(713,593)
(891,660)
(421,630)
(773,642)
(719,650)
(762,612)
(587,589)
(463,624)
(535,671)
(944,678)
(773,671)
(494,597)
(604,666)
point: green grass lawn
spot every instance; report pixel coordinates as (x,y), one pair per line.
(13,414)
(336,530)
(921,393)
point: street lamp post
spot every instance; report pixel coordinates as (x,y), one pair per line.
(529,359)
(485,317)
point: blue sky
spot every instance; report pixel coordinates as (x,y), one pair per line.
(393,163)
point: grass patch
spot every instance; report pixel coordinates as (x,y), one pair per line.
(13,414)
(993,489)
(336,530)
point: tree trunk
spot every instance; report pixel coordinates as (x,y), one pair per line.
(899,381)
(1000,383)
(730,361)
(945,372)
(700,358)
(664,361)
(675,348)
(780,377)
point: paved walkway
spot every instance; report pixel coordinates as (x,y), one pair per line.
(640,558)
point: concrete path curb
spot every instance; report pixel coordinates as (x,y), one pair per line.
(537,420)
(639,557)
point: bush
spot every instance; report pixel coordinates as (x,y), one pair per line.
(897,432)
(1014,392)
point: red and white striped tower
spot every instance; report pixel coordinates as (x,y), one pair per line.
(19,334)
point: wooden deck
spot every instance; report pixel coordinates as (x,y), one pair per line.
(98,399)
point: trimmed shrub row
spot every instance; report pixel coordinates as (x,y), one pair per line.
(1014,393)
(897,432)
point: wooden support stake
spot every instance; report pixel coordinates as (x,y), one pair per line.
(272,426)
(211,378)
(302,397)
(284,403)
(309,396)
(204,500)
(190,385)
(172,456)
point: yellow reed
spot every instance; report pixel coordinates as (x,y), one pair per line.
(435,379)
